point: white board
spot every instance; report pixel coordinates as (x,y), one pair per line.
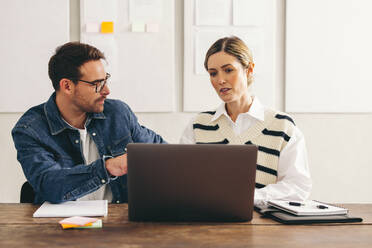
(328,56)
(142,64)
(201,31)
(30,32)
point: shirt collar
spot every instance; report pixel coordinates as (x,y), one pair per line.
(54,118)
(219,111)
(257,111)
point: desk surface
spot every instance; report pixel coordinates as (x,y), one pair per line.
(18,228)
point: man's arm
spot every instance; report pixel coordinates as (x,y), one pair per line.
(48,176)
(141,134)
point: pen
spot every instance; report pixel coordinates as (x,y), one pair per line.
(295,204)
(321,207)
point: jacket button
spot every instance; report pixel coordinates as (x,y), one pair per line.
(103,181)
(94,134)
(76,141)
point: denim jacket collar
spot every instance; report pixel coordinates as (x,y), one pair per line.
(55,122)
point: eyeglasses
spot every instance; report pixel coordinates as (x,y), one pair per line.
(100,83)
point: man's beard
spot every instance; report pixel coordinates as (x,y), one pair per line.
(86,107)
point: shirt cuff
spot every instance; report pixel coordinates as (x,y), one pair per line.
(105,157)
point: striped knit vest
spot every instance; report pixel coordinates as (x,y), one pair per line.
(270,136)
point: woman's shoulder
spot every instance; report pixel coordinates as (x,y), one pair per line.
(204,117)
(207,113)
(278,116)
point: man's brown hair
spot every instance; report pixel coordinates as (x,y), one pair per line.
(68,59)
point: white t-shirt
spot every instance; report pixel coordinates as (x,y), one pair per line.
(90,153)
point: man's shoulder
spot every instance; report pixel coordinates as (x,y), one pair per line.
(31,117)
(115,105)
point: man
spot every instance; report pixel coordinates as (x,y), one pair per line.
(73,146)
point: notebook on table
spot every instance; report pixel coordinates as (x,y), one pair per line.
(308,207)
(206,182)
(285,217)
(72,208)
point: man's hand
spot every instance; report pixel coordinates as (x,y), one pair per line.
(117,166)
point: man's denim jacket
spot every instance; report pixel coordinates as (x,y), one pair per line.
(50,152)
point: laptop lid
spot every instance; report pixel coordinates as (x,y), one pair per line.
(174,182)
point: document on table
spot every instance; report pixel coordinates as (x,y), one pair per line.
(307,208)
(72,208)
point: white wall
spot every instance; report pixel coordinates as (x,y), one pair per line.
(337,143)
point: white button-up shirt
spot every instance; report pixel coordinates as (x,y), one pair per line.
(293,180)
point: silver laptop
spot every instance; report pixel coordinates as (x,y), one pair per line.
(207,182)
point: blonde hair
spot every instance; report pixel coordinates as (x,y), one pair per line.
(234,46)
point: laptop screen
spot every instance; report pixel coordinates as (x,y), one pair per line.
(191,182)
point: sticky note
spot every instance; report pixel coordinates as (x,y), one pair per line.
(97,224)
(92,27)
(67,226)
(138,27)
(107,27)
(152,27)
(78,220)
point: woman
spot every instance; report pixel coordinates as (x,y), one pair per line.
(282,167)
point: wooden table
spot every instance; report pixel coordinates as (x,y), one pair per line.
(19,229)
